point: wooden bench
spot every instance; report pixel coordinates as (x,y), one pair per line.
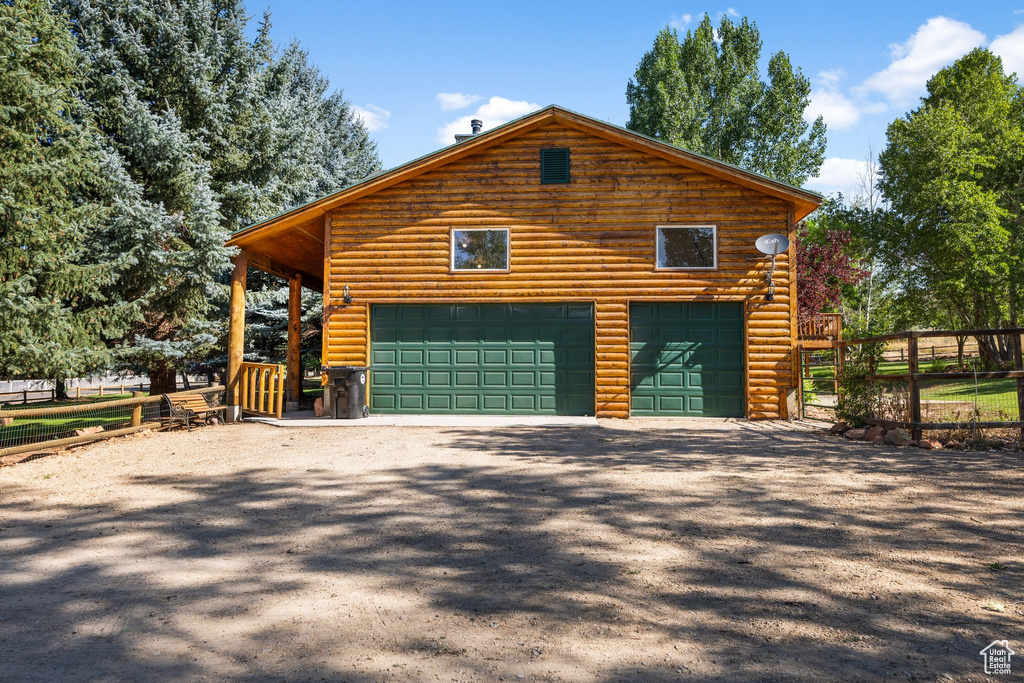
(188,407)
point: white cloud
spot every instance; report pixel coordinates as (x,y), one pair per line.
(936,43)
(830,78)
(680,22)
(826,101)
(839,175)
(494,112)
(374,118)
(838,111)
(732,12)
(1011,48)
(450,101)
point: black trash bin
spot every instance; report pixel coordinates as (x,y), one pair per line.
(347,387)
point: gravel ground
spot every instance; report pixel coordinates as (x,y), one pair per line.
(641,550)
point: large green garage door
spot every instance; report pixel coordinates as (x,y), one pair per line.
(482,358)
(686,359)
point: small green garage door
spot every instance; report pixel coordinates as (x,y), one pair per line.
(686,359)
(482,358)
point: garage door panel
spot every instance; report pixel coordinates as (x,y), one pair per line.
(434,357)
(488,358)
(439,378)
(687,359)
(495,357)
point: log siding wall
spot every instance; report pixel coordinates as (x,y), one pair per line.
(589,240)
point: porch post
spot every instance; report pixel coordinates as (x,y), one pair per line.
(294,323)
(236,337)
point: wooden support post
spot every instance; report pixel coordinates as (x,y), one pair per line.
(1018,364)
(236,336)
(915,389)
(280,395)
(137,409)
(800,382)
(294,350)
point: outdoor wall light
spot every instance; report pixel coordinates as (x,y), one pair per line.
(346,295)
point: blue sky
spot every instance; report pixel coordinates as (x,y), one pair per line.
(419,71)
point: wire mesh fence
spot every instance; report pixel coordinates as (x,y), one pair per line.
(25,428)
(943,380)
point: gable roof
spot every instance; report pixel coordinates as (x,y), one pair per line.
(803,201)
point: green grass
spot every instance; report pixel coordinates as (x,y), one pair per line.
(23,430)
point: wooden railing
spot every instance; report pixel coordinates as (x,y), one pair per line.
(262,389)
(821,326)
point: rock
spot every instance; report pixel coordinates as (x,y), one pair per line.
(318,407)
(929,444)
(855,434)
(878,439)
(897,437)
(874,432)
(839,428)
(953,444)
(88,430)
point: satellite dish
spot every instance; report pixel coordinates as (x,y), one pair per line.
(772,244)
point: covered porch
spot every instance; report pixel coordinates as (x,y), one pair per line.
(292,249)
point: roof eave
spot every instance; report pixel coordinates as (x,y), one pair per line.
(804,201)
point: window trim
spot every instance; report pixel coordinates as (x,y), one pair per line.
(657,247)
(460,271)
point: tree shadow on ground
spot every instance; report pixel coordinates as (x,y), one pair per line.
(753,553)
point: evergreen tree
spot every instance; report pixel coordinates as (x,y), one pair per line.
(56,319)
(705,94)
(212,132)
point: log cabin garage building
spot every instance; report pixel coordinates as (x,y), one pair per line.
(555,265)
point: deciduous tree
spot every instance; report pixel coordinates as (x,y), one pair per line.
(705,94)
(953,171)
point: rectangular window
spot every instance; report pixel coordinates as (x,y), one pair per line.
(687,247)
(480,249)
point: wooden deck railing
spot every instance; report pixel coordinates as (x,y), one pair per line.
(821,326)
(262,389)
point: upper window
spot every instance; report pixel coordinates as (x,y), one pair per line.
(480,249)
(554,165)
(687,247)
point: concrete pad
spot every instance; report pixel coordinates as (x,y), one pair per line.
(306,418)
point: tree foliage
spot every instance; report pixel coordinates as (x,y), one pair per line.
(57,316)
(827,262)
(207,132)
(952,172)
(705,94)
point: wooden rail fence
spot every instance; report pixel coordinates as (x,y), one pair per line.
(135,415)
(913,378)
(262,389)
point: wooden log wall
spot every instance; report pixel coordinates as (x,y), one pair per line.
(592,239)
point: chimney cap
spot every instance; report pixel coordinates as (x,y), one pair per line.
(477,125)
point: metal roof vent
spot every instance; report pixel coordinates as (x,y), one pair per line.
(478,127)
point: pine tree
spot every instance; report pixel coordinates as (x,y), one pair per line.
(210,132)
(56,319)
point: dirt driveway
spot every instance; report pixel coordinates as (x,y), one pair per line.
(632,551)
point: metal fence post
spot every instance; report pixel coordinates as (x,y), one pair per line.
(915,388)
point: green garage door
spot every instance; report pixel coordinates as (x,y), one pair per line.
(482,358)
(686,359)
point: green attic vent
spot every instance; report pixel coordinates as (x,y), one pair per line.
(554,165)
